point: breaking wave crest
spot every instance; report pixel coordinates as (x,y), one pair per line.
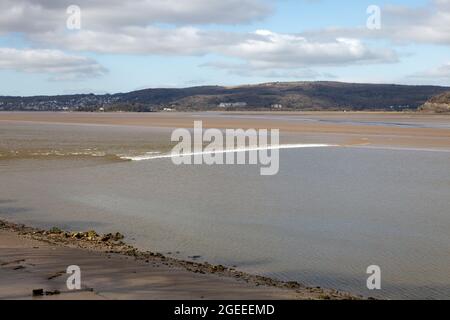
(157,155)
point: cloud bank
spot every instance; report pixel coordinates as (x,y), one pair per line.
(57,64)
(195,28)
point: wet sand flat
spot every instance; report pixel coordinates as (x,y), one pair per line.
(67,170)
(412,130)
(27,264)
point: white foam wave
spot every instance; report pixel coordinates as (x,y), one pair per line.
(152,156)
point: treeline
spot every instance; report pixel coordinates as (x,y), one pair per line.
(267,96)
(119,107)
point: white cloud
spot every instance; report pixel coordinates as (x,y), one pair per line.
(273,50)
(59,65)
(136,40)
(34,16)
(133,27)
(129,27)
(262,49)
(272,55)
(246,70)
(428,24)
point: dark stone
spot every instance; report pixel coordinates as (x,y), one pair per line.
(52,293)
(38,292)
(55,230)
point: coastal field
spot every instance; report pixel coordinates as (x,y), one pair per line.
(377,195)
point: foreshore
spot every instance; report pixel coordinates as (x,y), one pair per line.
(35,260)
(379,129)
(67,169)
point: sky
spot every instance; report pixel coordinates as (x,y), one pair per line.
(52,47)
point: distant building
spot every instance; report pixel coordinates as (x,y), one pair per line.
(232,104)
(277,106)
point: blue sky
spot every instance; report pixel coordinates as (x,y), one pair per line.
(128,45)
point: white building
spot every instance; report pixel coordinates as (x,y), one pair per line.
(232,104)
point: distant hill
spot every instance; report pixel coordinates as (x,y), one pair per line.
(268,96)
(437,104)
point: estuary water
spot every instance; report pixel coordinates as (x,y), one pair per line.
(329,214)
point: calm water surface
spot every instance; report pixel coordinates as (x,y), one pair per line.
(327,216)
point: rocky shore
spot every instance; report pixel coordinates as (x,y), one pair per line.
(113,244)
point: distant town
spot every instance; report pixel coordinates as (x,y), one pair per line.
(308,96)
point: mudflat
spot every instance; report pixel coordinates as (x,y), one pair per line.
(33,260)
(46,157)
(410,130)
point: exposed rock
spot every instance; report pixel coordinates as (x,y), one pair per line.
(111,243)
(292,285)
(55,230)
(91,235)
(218,268)
(38,292)
(76,235)
(52,293)
(112,237)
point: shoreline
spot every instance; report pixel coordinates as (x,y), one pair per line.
(28,255)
